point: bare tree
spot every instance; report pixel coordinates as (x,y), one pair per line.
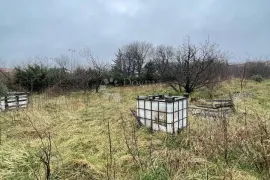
(45,150)
(163,57)
(197,65)
(81,78)
(132,57)
(243,76)
(97,69)
(142,51)
(240,71)
(62,61)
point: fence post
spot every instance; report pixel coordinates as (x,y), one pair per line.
(6,103)
(17,102)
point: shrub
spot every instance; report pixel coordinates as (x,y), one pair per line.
(257,78)
(36,78)
(33,77)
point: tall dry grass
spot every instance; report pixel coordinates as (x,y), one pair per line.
(94,136)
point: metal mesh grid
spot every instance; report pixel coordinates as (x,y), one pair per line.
(163,112)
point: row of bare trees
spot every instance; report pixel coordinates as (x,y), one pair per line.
(250,68)
(186,67)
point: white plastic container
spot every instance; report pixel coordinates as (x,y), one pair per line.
(164,113)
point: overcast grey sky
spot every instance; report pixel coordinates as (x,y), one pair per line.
(30,28)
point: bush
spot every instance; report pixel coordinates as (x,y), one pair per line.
(36,78)
(33,77)
(257,78)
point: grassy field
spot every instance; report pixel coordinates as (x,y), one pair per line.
(93,136)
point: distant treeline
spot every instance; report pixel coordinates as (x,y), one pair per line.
(185,68)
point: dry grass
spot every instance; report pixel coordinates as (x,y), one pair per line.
(78,126)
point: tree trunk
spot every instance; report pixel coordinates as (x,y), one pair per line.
(48,172)
(97,88)
(188,89)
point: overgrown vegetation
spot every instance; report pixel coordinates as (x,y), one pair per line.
(73,130)
(90,136)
